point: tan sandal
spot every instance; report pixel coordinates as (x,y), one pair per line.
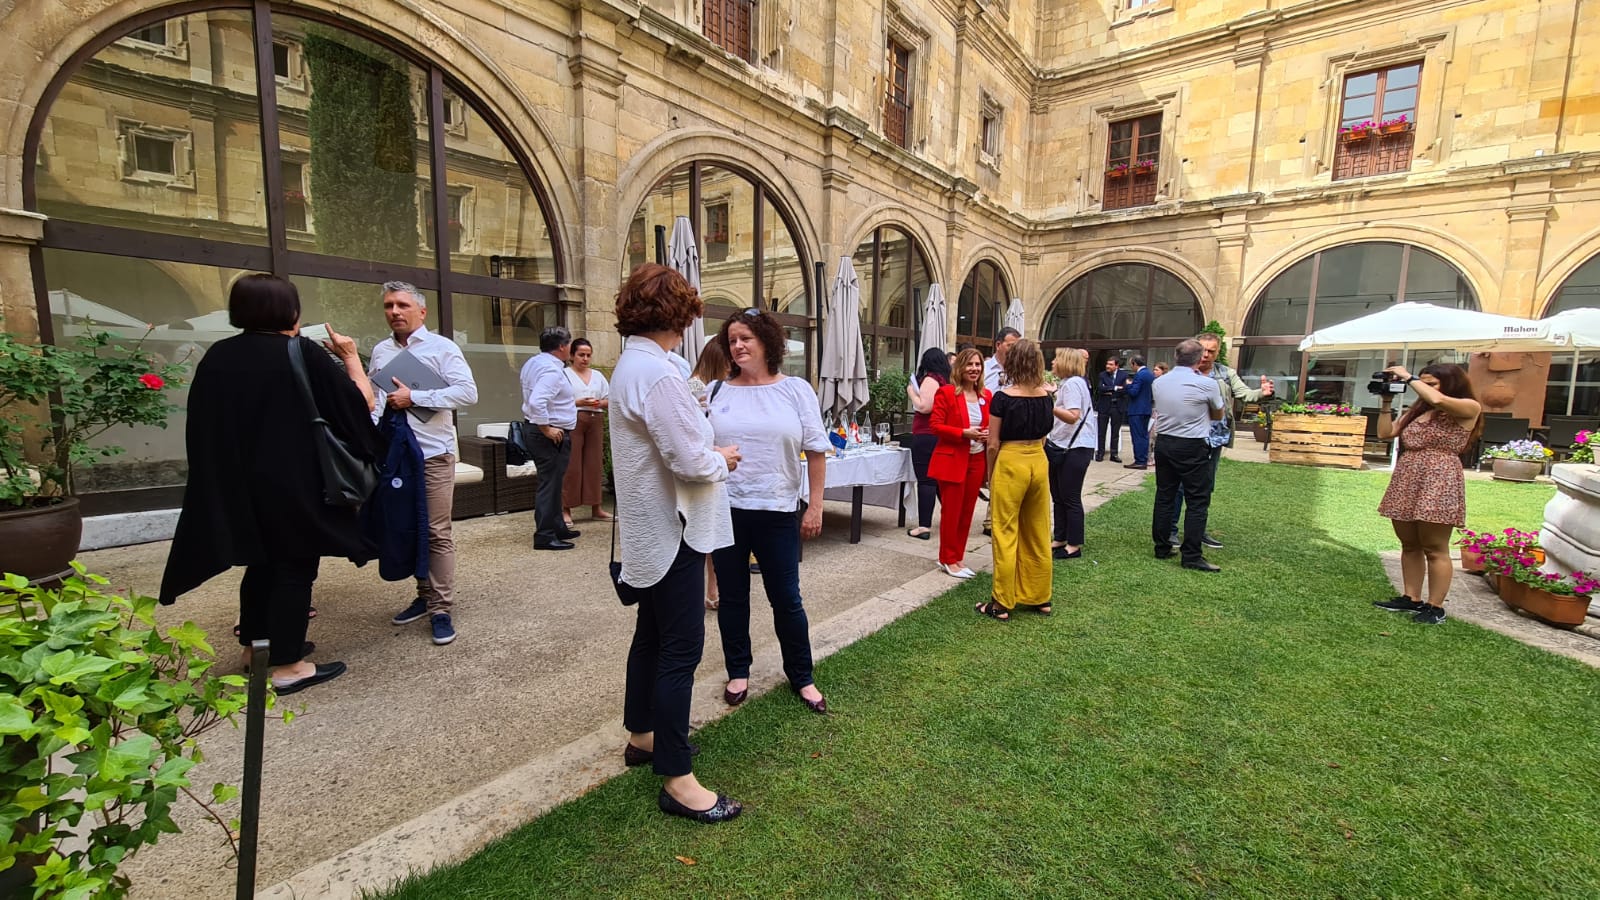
(713,602)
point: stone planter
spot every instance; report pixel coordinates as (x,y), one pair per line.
(1517,469)
(1318,440)
(1570,534)
(39,543)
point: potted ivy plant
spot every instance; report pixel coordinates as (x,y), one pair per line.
(100,712)
(55,400)
(1518,460)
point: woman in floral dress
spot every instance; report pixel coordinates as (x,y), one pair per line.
(1427,497)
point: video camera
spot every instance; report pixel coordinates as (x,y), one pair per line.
(1386,384)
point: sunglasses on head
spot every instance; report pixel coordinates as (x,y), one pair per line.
(752,312)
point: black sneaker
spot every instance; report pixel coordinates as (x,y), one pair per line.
(1402,603)
(417,609)
(1429,615)
(1211,542)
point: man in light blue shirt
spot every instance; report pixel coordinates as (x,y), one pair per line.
(994,373)
(1186,403)
(549,406)
(405,308)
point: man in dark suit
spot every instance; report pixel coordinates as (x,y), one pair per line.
(1110,401)
(1139,406)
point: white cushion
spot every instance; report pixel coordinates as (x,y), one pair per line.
(468,474)
(494,430)
(521,471)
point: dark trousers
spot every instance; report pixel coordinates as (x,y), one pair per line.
(927,489)
(774,538)
(1067,471)
(1109,420)
(551,462)
(274,600)
(1182,464)
(668,638)
(1177,509)
(1139,433)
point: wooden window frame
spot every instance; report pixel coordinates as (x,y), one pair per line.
(897,88)
(999,290)
(1375,152)
(1126,183)
(731,25)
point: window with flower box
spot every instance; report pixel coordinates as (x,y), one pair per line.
(295,213)
(1133,160)
(1377,122)
(729,24)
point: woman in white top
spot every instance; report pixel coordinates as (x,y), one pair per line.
(1070,448)
(587,468)
(709,372)
(672,509)
(771,418)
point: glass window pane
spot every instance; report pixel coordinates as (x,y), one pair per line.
(866,275)
(1397,102)
(783,272)
(362,126)
(177,310)
(728,242)
(1282,307)
(1117,298)
(353,308)
(661,207)
(1429,279)
(1357,85)
(988,322)
(1174,309)
(494,208)
(894,279)
(1357,109)
(164,141)
(1281,363)
(1404,76)
(794,355)
(1354,280)
(1581,289)
(1066,315)
(497,335)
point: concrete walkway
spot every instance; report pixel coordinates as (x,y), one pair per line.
(421,755)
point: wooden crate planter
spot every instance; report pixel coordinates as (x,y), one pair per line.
(1318,440)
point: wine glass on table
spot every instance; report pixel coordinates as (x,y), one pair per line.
(883,433)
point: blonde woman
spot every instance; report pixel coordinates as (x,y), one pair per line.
(1070,448)
(1019,486)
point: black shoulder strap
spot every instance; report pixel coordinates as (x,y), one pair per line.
(297,364)
(714,389)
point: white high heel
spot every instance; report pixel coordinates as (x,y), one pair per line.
(961,573)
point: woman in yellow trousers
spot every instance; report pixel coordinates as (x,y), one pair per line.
(1019,486)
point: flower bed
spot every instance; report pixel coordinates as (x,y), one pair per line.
(1512,559)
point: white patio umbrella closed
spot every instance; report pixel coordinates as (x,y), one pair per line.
(1016,316)
(933,323)
(683,255)
(843,368)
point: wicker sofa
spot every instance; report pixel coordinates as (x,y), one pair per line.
(514,486)
(474,495)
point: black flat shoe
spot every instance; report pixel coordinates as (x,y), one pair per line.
(1061,553)
(325,672)
(567,534)
(820,707)
(926,535)
(724,810)
(732,699)
(633,756)
(553,545)
(1202,565)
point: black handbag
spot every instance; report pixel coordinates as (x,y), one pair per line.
(517,445)
(627,593)
(347,479)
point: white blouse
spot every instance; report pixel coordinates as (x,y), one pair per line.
(770,424)
(597,388)
(664,466)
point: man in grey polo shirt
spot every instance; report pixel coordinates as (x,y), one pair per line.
(1186,403)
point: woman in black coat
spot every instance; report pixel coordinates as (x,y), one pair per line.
(254,495)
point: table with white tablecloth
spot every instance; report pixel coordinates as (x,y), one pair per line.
(880,476)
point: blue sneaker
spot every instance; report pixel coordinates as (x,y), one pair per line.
(443,631)
(417,609)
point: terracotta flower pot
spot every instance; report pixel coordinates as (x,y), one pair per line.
(1400,128)
(1517,469)
(1552,609)
(1471,561)
(39,542)
(1350,137)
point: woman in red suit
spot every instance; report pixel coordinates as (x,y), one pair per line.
(960,419)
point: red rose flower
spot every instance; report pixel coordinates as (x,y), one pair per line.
(152,381)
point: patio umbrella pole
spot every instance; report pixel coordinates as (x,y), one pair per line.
(1572,381)
(822,271)
(661,245)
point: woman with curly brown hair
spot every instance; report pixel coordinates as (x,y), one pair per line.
(672,509)
(1427,496)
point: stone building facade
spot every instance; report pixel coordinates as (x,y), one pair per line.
(1129,169)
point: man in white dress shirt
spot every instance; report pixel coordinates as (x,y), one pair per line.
(549,405)
(405,308)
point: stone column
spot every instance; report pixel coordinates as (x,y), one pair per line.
(19,232)
(596,83)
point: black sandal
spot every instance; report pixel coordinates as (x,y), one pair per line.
(993,610)
(1043,609)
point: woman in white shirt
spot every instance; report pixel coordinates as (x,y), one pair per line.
(587,470)
(672,509)
(1070,448)
(771,418)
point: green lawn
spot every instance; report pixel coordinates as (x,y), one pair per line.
(1264,732)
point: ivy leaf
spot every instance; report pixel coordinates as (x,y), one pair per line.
(191,636)
(124,759)
(14,717)
(171,773)
(222,793)
(67,666)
